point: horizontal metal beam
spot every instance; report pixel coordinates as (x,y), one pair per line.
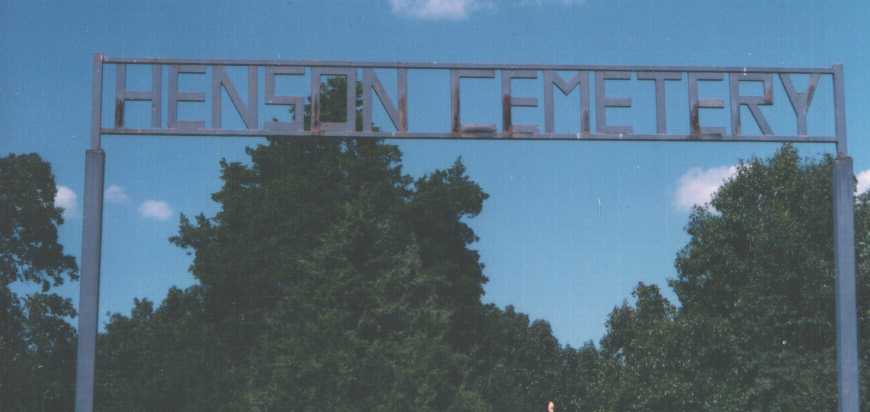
(463,136)
(471,66)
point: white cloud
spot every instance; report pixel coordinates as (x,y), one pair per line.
(116,194)
(864,181)
(568,3)
(435,9)
(67,199)
(697,186)
(462,9)
(155,209)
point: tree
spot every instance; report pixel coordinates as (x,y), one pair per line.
(518,364)
(758,274)
(36,342)
(755,326)
(644,362)
(167,358)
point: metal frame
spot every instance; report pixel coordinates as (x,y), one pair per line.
(843,178)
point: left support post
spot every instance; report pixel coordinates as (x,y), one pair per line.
(92,232)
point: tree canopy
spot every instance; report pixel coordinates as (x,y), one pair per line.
(755,325)
(37,344)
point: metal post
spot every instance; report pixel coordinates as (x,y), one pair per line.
(844,257)
(89,296)
(840,111)
(844,263)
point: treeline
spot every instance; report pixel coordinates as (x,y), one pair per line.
(331,281)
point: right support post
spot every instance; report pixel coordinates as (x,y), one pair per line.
(844,264)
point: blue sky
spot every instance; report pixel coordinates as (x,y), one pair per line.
(570,227)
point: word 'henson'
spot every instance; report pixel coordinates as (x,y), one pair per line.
(589,84)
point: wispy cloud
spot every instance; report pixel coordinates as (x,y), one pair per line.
(697,185)
(67,199)
(435,9)
(568,3)
(463,9)
(116,194)
(864,181)
(155,209)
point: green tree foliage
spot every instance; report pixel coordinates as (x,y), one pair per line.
(642,358)
(758,277)
(519,365)
(37,344)
(164,359)
(755,329)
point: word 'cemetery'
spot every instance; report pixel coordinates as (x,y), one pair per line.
(588,83)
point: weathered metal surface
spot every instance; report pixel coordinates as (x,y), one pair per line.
(398,115)
(97,100)
(176,96)
(462,66)
(800,101)
(398,111)
(661,103)
(350,108)
(840,111)
(89,283)
(510,101)
(249,113)
(581,79)
(602,102)
(696,104)
(456,125)
(470,132)
(122,95)
(92,243)
(297,102)
(846,303)
(752,102)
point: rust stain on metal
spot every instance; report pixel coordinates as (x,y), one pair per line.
(695,120)
(403,112)
(506,113)
(800,99)
(119,113)
(811,88)
(584,121)
(455,120)
(315,115)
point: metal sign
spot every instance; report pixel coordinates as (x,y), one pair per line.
(589,82)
